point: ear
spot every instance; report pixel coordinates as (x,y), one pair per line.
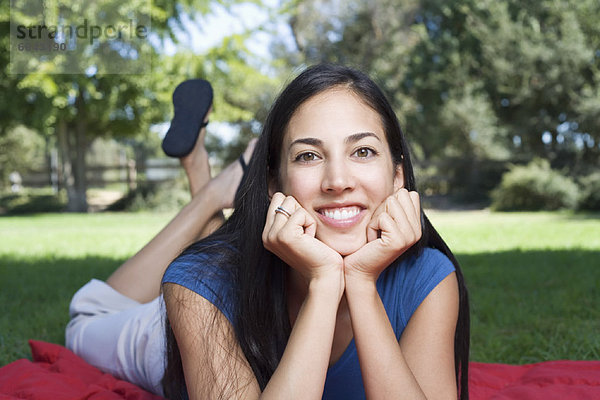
(399,177)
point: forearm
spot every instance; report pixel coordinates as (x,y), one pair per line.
(386,375)
(303,367)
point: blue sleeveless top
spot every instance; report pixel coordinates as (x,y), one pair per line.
(402,287)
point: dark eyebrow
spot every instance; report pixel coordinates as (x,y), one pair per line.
(361,135)
(350,139)
(310,141)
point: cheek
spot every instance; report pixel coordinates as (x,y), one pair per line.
(378,183)
(301,185)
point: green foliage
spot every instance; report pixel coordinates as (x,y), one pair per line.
(22,150)
(589,198)
(32,201)
(462,179)
(75,109)
(534,186)
(475,79)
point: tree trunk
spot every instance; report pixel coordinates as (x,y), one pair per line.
(68,181)
(81,147)
(72,148)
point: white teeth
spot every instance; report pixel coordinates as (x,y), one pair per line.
(341,215)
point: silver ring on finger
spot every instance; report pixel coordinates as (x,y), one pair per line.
(283,211)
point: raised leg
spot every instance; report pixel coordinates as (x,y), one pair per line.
(139,277)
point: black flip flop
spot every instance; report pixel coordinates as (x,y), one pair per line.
(191,101)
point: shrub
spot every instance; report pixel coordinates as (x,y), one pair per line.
(166,196)
(589,198)
(31,201)
(533,187)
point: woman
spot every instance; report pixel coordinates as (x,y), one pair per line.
(327,280)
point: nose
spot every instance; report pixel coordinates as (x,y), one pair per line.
(337,177)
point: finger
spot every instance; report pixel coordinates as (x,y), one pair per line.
(396,208)
(415,203)
(405,198)
(416,200)
(280,219)
(276,201)
(390,229)
(410,201)
(373,225)
(298,224)
(405,226)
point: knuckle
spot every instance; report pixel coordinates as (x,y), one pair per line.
(271,237)
(265,236)
(277,197)
(280,237)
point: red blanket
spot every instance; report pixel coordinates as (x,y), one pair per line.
(58,374)
(550,380)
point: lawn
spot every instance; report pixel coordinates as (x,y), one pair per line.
(534,278)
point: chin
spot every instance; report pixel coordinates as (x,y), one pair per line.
(343,246)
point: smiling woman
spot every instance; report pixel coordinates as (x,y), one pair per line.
(337,164)
(327,281)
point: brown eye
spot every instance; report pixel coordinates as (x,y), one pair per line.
(363,152)
(306,157)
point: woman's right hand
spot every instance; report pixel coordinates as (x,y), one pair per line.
(293,240)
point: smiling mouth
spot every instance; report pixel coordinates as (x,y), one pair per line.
(341,213)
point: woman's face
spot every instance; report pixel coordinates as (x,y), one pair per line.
(336,162)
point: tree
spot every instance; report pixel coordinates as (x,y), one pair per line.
(472,80)
(73,109)
(22,149)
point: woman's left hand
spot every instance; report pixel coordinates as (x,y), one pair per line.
(394,228)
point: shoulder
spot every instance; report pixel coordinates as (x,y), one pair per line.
(206,270)
(421,269)
(430,265)
(410,280)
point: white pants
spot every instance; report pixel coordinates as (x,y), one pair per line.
(118,335)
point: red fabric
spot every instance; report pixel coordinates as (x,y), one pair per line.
(58,374)
(550,380)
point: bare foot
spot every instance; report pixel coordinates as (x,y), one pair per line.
(195,164)
(227,182)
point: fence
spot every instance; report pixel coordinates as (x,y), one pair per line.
(125,172)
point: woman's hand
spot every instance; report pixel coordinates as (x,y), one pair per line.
(292,238)
(394,228)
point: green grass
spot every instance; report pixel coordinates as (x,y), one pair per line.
(45,258)
(534,283)
(534,278)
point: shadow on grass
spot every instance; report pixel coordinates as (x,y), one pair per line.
(35,295)
(530,306)
(526,306)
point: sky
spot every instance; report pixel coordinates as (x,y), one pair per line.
(203,32)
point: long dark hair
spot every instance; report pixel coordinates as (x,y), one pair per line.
(262,324)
